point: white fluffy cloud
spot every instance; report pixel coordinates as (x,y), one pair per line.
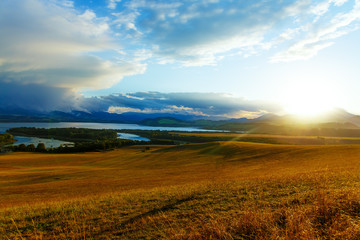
(112,3)
(198,33)
(51,43)
(318,34)
(173,109)
(203,32)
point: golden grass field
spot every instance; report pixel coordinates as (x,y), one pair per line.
(276,138)
(218,190)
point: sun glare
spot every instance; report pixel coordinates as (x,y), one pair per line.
(308,99)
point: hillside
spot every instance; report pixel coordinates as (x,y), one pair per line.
(330,129)
(6,139)
(201,123)
(166,122)
(334,123)
(218,190)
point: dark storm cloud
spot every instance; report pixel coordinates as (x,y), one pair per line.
(36,97)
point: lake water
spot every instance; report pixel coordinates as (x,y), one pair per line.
(132,137)
(49,143)
(5,126)
(56,143)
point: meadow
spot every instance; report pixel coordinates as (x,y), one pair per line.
(269,138)
(201,137)
(215,190)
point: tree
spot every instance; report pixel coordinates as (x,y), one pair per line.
(21,148)
(6,138)
(30,148)
(41,147)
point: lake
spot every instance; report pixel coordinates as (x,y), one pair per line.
(5,126)
(56,143)
(49,143)
(132,137)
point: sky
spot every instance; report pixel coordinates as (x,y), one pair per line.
(221,58)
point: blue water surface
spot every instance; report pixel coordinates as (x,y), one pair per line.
(57,143)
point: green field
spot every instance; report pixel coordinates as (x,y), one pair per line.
(217,190)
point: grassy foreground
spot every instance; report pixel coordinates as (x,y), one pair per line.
(221,190)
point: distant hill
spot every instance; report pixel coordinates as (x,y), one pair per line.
(336,115)
(336,123)
(268,123)
(174,122)
(82,116)
(166,122)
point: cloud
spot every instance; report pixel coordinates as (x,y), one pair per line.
(49,42)
(65,3)
(52,43)
(200,104)
(196,33)
(339,2)
(112,3)
(318,34)
(35,97)
(51,47)
(300,51)
(41,98)
(167,109)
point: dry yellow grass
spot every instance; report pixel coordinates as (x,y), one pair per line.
(221,190)
(279,139)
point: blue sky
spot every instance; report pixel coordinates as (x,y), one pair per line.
(252,57)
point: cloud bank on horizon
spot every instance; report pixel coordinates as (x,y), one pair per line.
(65,46)
(40,98)
(198,104)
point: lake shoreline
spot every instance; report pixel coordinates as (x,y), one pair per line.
(91,125)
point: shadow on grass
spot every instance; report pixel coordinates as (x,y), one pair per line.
(154,211)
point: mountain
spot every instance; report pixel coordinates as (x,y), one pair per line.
(174,122)
(166,122)
(269,117)
(21,115)
(355,120)
(337,118)
(335,123)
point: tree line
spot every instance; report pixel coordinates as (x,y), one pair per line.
(66,134)
(78,147)
(85,140)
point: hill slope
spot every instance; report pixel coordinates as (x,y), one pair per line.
(84,174)
(218,190)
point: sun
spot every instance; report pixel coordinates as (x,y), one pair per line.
(308,99)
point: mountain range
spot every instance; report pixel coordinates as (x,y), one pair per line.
(336,118)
